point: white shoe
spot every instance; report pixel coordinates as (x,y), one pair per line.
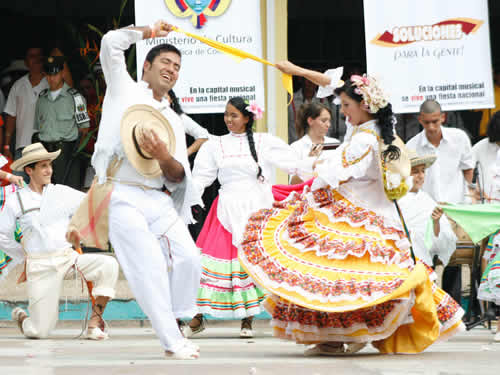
(193,345)
(18,315)
(354,347)
(96,334)
(188,332)
(246,333)
(324,349)
(186,352)
(496,338)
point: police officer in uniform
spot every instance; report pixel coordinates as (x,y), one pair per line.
(61,118)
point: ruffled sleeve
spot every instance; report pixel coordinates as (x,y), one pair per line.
(350,160)
(205,165)
(283,156)
(335,75)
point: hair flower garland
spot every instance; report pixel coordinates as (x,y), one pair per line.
(373,96)
(254,108)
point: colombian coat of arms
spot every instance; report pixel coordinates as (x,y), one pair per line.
(198,10)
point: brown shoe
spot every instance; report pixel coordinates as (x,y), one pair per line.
(18,315)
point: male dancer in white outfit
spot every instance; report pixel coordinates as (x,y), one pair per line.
(43,211)
(147,227)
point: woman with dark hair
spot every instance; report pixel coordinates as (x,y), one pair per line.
(336,258)
(191,127)
(313,122)
(484,153)
(242,161)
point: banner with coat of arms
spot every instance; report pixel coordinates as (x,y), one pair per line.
(430,49)
(208,77)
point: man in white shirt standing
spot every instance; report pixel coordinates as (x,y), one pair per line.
(43,212)
(147,227)
(449,179)
(21,102)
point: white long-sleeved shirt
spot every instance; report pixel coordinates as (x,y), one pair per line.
(228,159)
(44,222)
(121,93)
(194,129)
(417,210)
(444,180)
(485,154)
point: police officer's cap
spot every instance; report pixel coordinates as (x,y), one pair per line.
(54,64)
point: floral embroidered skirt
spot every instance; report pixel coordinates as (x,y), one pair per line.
(335,273)
(226,290)
(489,289)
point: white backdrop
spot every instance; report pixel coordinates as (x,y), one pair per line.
(208,78)
(430,49)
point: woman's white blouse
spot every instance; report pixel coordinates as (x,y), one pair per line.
(228,159)
(303,147)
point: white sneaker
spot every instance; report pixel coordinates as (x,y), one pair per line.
(246,333)
(193,345)
(354,347)
(324,349)
(188,332)
(496,338)
(96,334)
(186,352)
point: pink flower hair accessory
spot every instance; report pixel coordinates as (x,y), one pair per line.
(254,108)
(373,96)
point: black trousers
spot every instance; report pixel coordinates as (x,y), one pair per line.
(66,168)
(452,282)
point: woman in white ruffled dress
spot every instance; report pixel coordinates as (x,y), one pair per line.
(243,163)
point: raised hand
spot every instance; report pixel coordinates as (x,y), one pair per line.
(437,213)
(161,28)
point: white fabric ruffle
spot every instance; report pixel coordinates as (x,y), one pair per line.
(335,76)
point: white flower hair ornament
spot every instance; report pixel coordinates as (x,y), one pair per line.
(373,97)
(254,108)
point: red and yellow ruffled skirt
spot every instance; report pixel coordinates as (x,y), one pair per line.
(338,272)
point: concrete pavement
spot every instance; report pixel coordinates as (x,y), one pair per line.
(135,350)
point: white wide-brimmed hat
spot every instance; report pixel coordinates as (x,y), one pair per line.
(415,159)
(32,154)
(135,121)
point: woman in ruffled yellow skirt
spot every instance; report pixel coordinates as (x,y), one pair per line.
(336,258)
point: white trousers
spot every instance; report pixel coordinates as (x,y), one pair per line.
(158,256)
(45,275)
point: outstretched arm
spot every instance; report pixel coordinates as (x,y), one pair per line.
(318,78)
(113,46)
